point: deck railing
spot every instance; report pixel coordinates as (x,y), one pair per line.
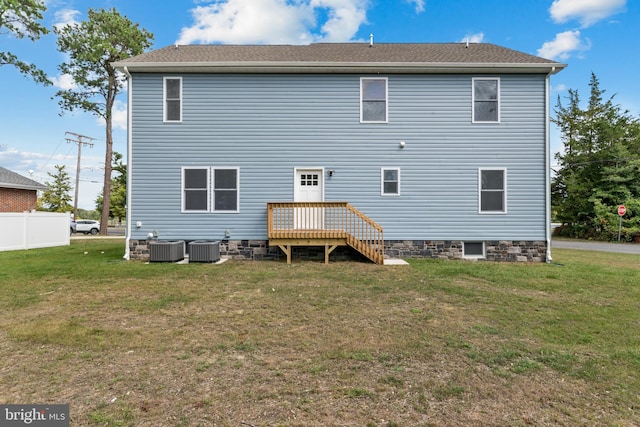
(326,220)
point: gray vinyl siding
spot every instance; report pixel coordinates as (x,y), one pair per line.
(266,125)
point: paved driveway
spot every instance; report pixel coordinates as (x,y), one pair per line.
(626,248)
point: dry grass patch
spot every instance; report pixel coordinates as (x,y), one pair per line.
(267,344)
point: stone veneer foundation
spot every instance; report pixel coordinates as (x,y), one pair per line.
(498,250)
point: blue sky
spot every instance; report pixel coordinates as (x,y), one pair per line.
(599,36)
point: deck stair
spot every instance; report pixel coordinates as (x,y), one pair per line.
(328,224)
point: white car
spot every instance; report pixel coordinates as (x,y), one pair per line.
(87,226)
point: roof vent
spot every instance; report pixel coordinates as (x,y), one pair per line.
(370,40)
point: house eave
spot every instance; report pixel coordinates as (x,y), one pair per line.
(340,68)
(23,187)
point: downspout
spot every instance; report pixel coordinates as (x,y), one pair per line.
(129,157)
(547,164)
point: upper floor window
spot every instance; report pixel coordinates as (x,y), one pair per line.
(486,100)
(173,99)
(373,100)
(390,181)
(493,190)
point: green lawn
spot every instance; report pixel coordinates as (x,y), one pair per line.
(269,344)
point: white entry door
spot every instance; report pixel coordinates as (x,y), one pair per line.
(309,188)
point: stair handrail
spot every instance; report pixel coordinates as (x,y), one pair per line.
(364,234)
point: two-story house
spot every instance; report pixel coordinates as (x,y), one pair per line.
(410,150)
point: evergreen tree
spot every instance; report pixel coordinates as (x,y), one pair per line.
(57,198)
(599,168)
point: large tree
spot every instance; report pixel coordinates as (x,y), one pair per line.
(92,47)
(599,168)
(57,197)
(20,19)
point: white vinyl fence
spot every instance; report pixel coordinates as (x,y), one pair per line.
(33,230)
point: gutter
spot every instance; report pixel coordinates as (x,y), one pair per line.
(129,157)
(337,67)
(547,164)
(24,187)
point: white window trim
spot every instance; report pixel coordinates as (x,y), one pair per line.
(382,193)
(182,190)
(484,250)
(210,189)
(480,211)
(213,189)
(386,99)
(473,100)
(164,99)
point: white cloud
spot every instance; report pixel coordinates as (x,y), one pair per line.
(64,82)
(65,17)
(118,116)
(563,46)
(274,21)
(588,12)
(345,17)
(473,38)
(419,5)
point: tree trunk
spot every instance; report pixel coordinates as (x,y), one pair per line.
(106,192)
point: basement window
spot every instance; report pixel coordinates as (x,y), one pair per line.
(474,250)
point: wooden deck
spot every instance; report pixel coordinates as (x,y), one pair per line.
(328,224)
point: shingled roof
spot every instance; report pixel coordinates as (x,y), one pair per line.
(340,57)
(10,179)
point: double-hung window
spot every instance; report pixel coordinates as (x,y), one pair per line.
(172,99)
(390,184)
(210,189)
(493,190)
(195,189)
(486,100)
(225,190)
(373,100)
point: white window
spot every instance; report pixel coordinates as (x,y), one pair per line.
(473,250)
(373,100)
(492,189)
(225,190)
(390,181)
(172,99)
(195,189)
(206,189)
(486,100)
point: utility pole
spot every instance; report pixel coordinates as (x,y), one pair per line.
(80,141)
